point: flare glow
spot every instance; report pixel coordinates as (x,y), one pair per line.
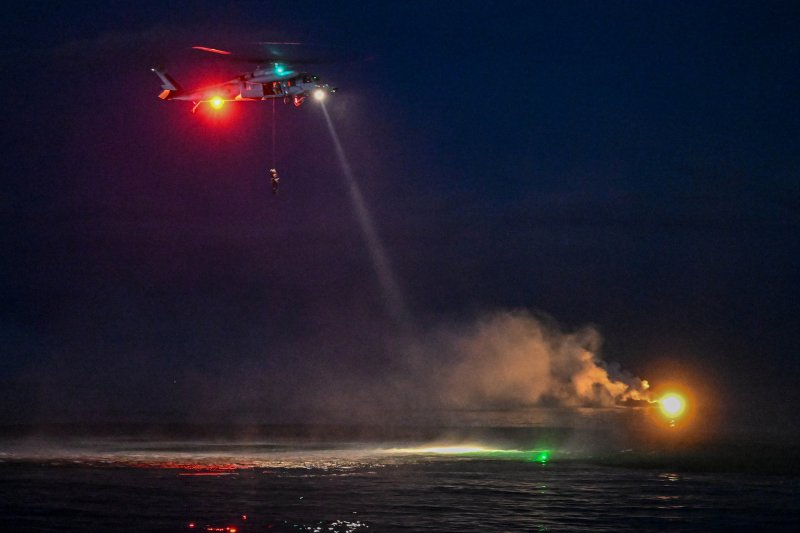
(672,405)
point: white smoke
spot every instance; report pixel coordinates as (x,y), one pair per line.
(514,359)
(505,361)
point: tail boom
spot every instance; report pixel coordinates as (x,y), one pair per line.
(170,87)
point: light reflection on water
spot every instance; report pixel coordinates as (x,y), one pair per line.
(223,459)
(162,486)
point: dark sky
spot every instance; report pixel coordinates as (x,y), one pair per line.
(631,165)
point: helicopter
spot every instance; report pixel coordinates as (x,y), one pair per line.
(272,79)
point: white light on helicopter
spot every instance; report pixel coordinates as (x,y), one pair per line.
(319,95)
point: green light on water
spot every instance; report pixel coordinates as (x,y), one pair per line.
(542,456)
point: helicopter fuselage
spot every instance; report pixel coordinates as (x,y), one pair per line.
(260,84)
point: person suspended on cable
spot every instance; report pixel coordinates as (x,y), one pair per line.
(273,176)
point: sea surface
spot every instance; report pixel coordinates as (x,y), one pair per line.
(305,483)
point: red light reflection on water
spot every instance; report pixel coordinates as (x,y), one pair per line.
(194,469)
(222,529)
(338,526)
(207,473)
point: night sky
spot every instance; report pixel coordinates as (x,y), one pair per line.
(634,166)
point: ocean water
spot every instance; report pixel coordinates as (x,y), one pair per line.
(322,485)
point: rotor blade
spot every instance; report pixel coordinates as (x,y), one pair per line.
(212,50)
(265,56)
(281,43)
